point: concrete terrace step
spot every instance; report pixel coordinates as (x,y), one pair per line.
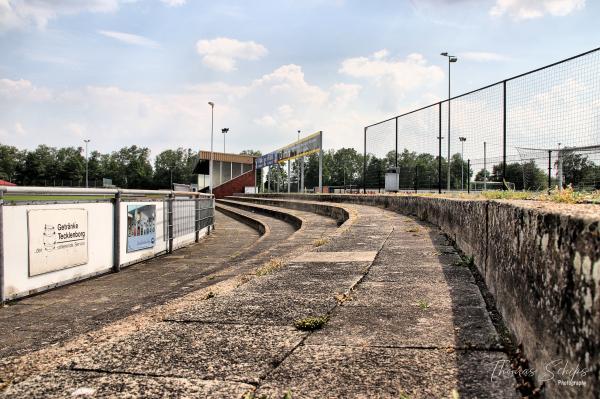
(402,320)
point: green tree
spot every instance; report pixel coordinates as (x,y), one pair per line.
(12,162)
(174,165)
(41,166)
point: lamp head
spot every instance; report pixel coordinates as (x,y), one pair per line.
(225,130)
(211,103)
(453,59)
(444,54)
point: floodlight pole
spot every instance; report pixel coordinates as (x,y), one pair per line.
(210,164)
(225,130)
(451,59)
(86,162)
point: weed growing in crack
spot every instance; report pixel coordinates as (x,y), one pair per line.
(210,295)
(270,267)
(321,241)
(465,261)
(343,297)
(423,304)
(311,323)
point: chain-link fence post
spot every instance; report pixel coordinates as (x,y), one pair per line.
(440,148)
(117,232)
(365,163)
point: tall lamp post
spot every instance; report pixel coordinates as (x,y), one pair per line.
(462,161)
(451,59)
(86,141)
(210,163)
(225,130)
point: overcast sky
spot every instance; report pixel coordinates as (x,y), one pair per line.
(124,72)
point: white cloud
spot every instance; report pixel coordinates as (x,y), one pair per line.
(530,9)
(482,56)
(395,78)
(174,3)
(265,120)
(222,53)
(23,90)
(129,38)
(19,129)
(17,14)
(20,13)
(344,93)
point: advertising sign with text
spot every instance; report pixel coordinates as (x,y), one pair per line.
(58,239)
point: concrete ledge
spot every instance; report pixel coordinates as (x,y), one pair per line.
(340,214)
(542,263)
(285,216)
(256,224)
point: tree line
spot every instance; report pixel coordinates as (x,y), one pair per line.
(131,167)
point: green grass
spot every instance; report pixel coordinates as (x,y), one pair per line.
(311,323)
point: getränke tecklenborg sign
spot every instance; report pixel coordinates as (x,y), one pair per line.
(58,239)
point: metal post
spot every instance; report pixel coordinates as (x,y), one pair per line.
(197,218)
(560,168)
(448,177)
(440,149)
(289,162)
(2,298)
(170,200)
(484,166)
(504,184)
(468,176)
(549,170)
(117,233)
(321,170)
(302,174)
(268,180)
(210,164)
(365,163)
(396,163)
(86,162)
(416,178)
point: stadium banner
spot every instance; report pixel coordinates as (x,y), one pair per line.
(57,239)
(303,147)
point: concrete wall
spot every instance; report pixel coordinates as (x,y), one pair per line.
(541,261)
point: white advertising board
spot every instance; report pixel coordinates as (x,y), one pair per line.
(58,239)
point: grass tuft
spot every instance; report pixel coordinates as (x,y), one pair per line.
(321,241)
(423,304)
(311,323)
(270,267)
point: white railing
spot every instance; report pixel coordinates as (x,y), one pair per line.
(52,236)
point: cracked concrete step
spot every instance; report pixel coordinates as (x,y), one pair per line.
(318,371)
(57,315)
(231,352)
(65,384)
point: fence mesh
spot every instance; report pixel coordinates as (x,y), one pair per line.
(545,124)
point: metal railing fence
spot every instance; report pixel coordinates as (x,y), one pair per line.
(534,131)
